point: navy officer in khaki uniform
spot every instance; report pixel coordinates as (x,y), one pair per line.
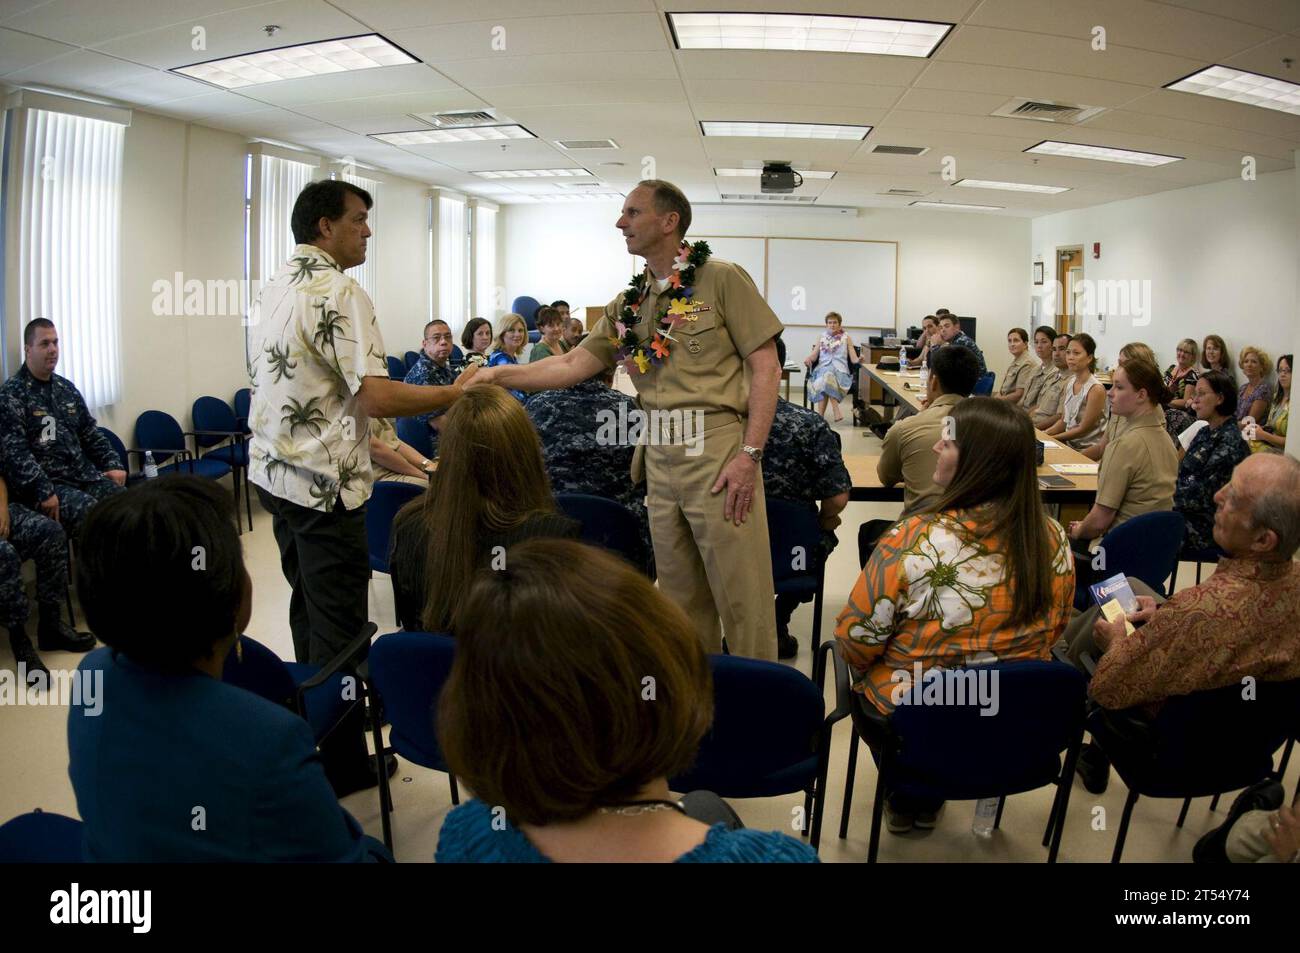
(696,338)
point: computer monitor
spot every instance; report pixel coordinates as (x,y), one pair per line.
(967,326)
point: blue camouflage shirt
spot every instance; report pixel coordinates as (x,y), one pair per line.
(55,438)
(965,340)
(802,460)
(425,372)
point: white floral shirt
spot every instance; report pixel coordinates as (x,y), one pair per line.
(312,339)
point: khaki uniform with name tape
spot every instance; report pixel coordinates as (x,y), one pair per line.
(710,567)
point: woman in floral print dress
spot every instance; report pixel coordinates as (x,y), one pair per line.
(985,577)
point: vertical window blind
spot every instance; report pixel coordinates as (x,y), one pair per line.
(366,274)
(281,181)
(485,262)
(69,217)
(453,292)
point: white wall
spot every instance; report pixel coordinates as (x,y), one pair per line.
(970,263)
(1220,258)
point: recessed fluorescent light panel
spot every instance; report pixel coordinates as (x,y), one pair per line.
(956,205)
(806,173)
(827,34)
(296,62)
(1010,186)
(785,130)
(424,137)
(1239,86)
(1074,150)
(532,173)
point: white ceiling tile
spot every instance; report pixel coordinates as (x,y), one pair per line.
(1181,130)
(801,67)
(1033,84)
(534,36)
(1217,112)
(403,14)
(1267,58)
(559,68)
(1281,15)
(395,110)
(21,50)
(797,94)
(613,93)
(83,22)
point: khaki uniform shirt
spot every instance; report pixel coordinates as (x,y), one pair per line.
(705,369)
(1019,373)
(1034,387)
(1138,470)
(909,454)
(1051,398)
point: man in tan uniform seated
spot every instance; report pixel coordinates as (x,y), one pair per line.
(718,372)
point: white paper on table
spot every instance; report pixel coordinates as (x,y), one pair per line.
(1076,469)
(1050,445)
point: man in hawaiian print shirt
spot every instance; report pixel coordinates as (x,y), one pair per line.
(318,371)
(434,369)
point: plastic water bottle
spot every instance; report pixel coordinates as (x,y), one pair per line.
(925,376)
(150,468)
(902,360)
(986,809)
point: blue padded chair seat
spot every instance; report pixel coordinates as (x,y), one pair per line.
(325,703)
(204,467)
(233,454)
(41,838)
(408,669)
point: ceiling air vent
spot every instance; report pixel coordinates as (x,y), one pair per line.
(458,119)
(911,192)
(900,150)
(575,144)
(786,199)
(1047,111)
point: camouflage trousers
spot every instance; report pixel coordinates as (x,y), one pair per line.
(35,537)
(77,500)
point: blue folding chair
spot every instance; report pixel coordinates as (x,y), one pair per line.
(396,368)
(216,428)
(769,736)
(1145,546)
(415,432)
(609,525)
(122,454)
(158,431)
(956,752)
(387,497)
(1198,745)
(42,838)
(407,671)
(795,536)
(984,386)
(526,307)
(243,405)
(1198,556)
(410,359)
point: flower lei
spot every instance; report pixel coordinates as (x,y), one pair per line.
(639,355)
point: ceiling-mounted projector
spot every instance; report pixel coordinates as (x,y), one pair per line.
(778,178)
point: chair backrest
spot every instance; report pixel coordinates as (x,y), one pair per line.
(212,413)
(396,368)
(984,386)
(607,524)
(261,672)
(766,719)
(411,358)
(987,730)
(42,838)
(795,538)
(408,670)
(243,407)
(526,307)
(1145,546)
(118,447)
(414,431)
(158,431)
(386,499)
(457,355)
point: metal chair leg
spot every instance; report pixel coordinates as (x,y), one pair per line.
(1281,768)
(1123,827)
(1214,804)
(381,770)
(455,791)
(1182,815)
(877,810)
(849,778)
(67,590)
(809,800)
(1061,804)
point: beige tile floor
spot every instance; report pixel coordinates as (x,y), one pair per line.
(33,751)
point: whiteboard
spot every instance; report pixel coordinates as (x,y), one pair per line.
(809,277)
(748,253)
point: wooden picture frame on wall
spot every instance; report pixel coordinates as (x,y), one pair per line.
(1038,272)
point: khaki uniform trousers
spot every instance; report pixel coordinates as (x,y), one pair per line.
(711,568)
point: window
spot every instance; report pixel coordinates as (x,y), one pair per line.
(486,304)
(453,289)
(69,212)
(280,182)
(366,274)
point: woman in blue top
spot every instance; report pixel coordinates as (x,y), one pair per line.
(1210,459)
(577,691)
(829,364)
(508,344)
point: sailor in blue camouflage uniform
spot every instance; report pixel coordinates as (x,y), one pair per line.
(434,368)
(576,426)
(26,534)
(59,463)
(803,463)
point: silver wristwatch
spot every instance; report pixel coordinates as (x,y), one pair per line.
(754,453)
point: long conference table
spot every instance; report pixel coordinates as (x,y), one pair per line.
(906,389)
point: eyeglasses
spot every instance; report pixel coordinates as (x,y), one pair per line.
(1184,351)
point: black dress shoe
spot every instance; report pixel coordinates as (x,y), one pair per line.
(1266,795)
(787,646)
(1093,768)
(63,638)
(25,655)
(361,781)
